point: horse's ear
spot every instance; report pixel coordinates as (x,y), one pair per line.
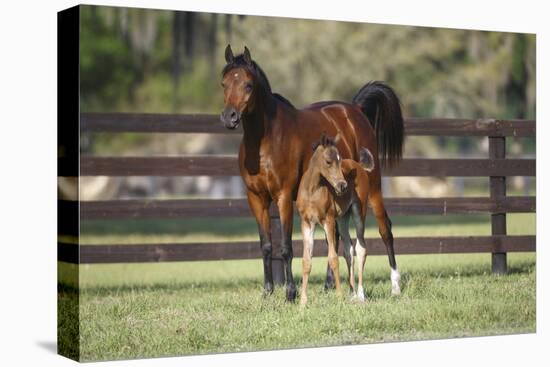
(229,54)
(247,57)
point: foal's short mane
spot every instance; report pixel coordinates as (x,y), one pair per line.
(259,75)
(324,141)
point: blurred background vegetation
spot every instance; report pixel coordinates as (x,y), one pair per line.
(140,60)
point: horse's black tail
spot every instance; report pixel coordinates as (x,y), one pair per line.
(382,107)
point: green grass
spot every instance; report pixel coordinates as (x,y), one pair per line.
(147,310)
(181,308)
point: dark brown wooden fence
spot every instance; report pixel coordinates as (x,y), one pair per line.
(496,167)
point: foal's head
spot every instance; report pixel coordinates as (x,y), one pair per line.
(326,160)
(244,84)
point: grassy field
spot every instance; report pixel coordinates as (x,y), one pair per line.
(162,309)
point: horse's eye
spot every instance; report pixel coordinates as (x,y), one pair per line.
(328,163)
(248,88)
(223,85)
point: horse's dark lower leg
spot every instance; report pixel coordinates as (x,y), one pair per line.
(330,281)
(266,248)
(387,237)
(287,215)
(349,252)
(388,241)
(384,226)
(360,247)
(287,254)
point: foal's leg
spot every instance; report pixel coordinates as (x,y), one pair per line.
(260,209)
(329,280)
(286,214)
(308,231)
(343,225)
(384,226)
(330,230)
(360,246)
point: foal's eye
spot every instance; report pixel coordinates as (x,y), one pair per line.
(328,163)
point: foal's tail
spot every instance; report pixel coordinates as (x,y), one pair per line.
(382,107)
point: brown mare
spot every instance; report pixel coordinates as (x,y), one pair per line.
(331,190)
(276,147)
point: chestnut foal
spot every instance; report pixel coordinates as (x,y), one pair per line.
(330,191)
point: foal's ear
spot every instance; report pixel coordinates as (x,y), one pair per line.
(315,145)
(247,57)
(366,159)
(229,54)
(337,138)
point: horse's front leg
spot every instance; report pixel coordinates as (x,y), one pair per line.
(260,208)
(284,203)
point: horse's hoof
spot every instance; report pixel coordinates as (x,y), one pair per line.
(268,289)
(291,293)
(329,285)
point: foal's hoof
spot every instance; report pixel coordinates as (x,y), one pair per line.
(361,294)
(291,293)
(396,291)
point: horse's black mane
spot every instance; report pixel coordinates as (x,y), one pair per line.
(283,99)
(259,75)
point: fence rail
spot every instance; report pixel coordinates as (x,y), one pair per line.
(210,124)
(228,166)
(148,208)
(496,167)
(96,254)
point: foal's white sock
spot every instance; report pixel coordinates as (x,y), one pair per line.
(360,293)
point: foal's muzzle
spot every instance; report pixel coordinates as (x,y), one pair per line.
(341,188)
(230,118)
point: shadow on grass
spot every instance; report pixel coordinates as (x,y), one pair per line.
(314,280)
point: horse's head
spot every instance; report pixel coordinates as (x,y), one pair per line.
(240,86)
(327,161)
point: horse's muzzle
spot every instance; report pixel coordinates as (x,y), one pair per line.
(230,118)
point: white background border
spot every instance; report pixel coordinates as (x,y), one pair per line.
(28,181)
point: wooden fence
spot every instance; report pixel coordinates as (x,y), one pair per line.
(496,167)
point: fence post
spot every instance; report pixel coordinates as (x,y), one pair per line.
(497,150)
(276,260)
